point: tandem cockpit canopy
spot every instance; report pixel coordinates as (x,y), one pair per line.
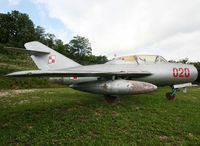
(145,58)
(138,59)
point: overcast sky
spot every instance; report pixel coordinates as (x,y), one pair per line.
(170,28)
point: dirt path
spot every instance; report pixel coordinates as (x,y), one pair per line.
(14,92)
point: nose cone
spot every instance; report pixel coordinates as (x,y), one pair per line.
(155,87)
(195,72)
(149,86)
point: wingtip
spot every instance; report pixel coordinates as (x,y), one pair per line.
(11,75)
(8,75)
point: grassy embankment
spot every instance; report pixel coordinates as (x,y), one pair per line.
(17,62)
(65,116)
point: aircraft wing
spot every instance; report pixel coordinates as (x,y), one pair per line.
(71,73)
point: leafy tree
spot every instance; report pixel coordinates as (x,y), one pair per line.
(16,28)
(40,33)
(80,46)
(61,48)
(184,61)
(4,28)
(49,39)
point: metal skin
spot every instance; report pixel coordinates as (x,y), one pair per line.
(115,77)
(116,87)
(71,80)
(161,73)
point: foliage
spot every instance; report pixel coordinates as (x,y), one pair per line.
(79,49)
(61,48)
(80,46)
(17,28)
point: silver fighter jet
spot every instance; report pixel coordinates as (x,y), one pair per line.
(125,75)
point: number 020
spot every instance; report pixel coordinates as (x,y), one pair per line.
(181,72)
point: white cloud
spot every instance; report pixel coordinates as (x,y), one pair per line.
(14,2)
(59,33)
(170,28)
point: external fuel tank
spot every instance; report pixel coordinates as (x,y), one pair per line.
(115,87)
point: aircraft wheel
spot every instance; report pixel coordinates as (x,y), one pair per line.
(170,96)
(110,98)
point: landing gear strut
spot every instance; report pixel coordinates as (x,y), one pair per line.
(110,98)
(171,95)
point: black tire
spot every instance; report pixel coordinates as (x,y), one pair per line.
(169,96)
(110,98)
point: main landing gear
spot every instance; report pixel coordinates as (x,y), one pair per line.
(110,98)
(171,95)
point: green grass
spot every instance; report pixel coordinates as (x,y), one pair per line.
(63,116)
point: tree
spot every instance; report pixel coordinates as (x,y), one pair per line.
(61,48)
(49,39)
(80,50)
(184,61)
(80,46)
(4,28)
(16,28)
(39,33)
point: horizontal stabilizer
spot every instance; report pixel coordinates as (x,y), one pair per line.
(70,73)
(22,50)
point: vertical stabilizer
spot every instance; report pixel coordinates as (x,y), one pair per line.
(51,61)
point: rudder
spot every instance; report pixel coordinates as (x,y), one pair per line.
(51,61)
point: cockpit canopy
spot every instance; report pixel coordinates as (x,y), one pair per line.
(145,58)
(138,59)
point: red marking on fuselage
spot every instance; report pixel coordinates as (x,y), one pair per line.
(181,72)
(187,72)
(73,78)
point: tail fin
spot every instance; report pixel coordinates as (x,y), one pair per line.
(51,60)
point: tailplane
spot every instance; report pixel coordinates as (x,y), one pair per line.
(48,59)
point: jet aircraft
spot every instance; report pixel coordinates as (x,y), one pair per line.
(134,74)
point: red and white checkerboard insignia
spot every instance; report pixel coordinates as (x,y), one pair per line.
(73,78)
(52,59)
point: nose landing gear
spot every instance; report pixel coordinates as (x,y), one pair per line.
(171,95)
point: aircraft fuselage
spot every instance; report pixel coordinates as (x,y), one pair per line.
(163,74)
